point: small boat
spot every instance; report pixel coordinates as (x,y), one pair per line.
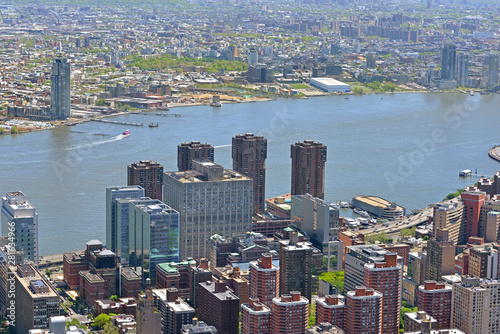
(362,213)
(126,133)
(465,173)
(153,125)
(216,104)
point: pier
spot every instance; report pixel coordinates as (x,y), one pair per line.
(494,153)
(117,122)
(159,114)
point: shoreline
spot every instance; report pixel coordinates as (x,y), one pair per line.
(75,122)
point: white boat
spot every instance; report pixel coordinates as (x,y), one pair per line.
(465,173)
(344,205)
(362,213)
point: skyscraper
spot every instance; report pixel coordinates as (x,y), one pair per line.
(386,277)
(308,168)
(371,58)
(490,69)
(175,312)
(363,311)
(211,200)
(147,315)
(435,299)
(289,313)
(36,300)
(114,228)
(440,256)
(255,317)
(475,305)
(473,199)
(253,57)
(19,218)
(355,259)
(295,266)
(147,174)
(249,158)
(449,62)
(154,236)
(264,279)
(60,95)
(319,219)
(187,152)
(330,309)
(218,306)
(463,69)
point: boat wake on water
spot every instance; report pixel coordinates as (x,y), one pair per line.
(95,143)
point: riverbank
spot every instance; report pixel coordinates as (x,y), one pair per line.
(308,93)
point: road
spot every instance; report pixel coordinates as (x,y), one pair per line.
(398,225)
(406,222)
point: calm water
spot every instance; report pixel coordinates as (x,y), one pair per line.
(407,148)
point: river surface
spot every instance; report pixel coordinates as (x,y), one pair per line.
(407,148)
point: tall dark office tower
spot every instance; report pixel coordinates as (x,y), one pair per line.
(490,69)
(249,158)
(295,266)
(308,168)
(463,69)
(187,152)
(60,95)
(449,62)
(147,174)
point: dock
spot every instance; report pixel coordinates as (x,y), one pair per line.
(117,122)
(159,114)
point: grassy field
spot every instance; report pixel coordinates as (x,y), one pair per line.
(300,86)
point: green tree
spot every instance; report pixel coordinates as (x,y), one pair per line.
(47,272)
(13,129)
(73,322)
(2,130)
(358,90)
(114,298)
(408,232)
(101,320)
(402,313)
(312,315)
(100,102)
(335,278)
(109,328)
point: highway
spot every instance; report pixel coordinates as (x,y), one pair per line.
(398,225)
(406,222)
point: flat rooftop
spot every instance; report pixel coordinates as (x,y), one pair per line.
(180,306)
(376,201)
(192,176)
(329,81)
(37,281)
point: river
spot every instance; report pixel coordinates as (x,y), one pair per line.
(407,148)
